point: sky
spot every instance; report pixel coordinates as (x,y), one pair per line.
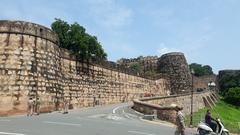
(206,31)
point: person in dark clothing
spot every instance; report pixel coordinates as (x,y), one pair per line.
(37,106)
(208,120)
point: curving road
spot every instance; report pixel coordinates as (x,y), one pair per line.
(105,120)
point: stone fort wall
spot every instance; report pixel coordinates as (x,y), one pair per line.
(175,66)
(32,65)
(201,83)
(172,66)
(149,63)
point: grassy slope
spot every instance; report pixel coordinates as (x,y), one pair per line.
(229,115)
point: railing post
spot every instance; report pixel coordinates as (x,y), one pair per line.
(191,118)
(155,114)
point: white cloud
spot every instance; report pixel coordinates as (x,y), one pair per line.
(163,49)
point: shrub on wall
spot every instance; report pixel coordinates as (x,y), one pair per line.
(136,67)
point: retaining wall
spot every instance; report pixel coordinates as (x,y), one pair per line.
(166,105)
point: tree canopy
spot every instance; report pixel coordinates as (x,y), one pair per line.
(232,96)
(228,79)
(74,38)
(136,67)
(200,70)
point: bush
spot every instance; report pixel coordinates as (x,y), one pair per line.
(136,67)
(232,96)
(228,79)
(201,70)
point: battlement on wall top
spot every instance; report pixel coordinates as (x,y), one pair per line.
(27,28)
(172,54)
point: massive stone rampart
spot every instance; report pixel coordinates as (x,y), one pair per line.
(175,66)
(32,65)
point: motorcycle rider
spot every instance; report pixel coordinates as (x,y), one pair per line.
(209,120)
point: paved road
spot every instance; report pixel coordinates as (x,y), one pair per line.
(104,120)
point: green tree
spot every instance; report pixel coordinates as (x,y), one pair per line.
(150,73)
(227,80)
(233,96)
(62,28)
(74,38)
(136,67)
(207,70)
(201,70)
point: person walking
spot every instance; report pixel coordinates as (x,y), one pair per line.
(57,104)
(65,105)
(180,130)
(34,106)
(38,103)
(30,107)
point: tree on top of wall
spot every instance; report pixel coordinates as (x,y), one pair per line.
(201,70)
(74,38)
(136,67)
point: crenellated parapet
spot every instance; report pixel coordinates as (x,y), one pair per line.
(27,28)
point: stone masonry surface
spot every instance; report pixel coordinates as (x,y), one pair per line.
(165,105)
(32,65)
(175,66)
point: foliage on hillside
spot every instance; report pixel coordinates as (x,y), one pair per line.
(228,114)
(74,38)
(229,84)
(233,96)
(228,79)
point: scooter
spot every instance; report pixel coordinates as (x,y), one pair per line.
(204,129)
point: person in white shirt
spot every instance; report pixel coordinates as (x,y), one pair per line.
(30,107)
(65,105)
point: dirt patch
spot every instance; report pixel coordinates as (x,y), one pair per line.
(47,109)
(12,112)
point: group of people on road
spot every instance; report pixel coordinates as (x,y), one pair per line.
(33,106)
(62,105)
(180,130)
